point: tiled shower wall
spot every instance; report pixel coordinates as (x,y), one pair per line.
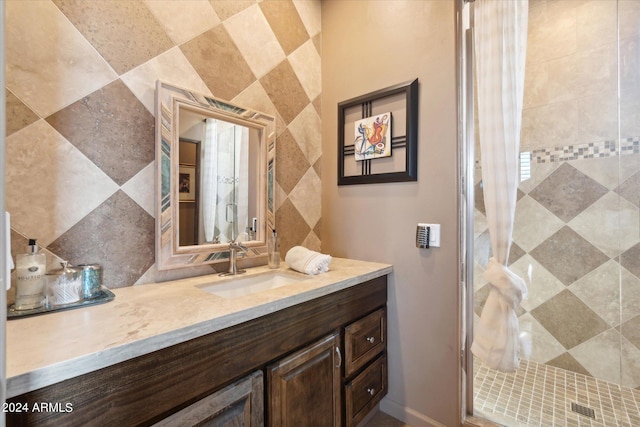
(80,78)
(577,228)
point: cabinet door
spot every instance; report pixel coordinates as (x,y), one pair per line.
(304,388)
(239,404)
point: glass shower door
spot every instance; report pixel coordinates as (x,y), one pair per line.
(576,239)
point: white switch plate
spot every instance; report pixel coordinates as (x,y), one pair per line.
(434,235)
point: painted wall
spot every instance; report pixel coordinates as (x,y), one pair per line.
(80,116)
(367,46)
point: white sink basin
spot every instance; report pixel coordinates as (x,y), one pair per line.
(241,286)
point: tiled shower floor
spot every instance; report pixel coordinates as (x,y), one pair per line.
(541,395)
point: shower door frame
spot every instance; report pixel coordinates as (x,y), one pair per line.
(466,156)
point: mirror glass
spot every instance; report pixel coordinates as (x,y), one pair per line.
(216,164)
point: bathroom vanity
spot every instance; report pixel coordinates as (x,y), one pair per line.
(311,352)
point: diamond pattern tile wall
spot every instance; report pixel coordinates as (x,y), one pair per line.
(81,78)
(580,234)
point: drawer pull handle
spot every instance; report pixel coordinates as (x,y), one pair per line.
(371,340)
(339,357)
(371,391)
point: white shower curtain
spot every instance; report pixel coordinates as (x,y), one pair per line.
(209,179)
(500,45)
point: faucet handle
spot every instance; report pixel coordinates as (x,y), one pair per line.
(238,246)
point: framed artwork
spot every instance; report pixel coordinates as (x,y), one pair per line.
(378,136)
(187,183)
(373,137)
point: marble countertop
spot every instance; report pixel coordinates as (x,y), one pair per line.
(50,348)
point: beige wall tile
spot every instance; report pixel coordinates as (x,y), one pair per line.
(111,26)
(219,63)
(185,19)
(596,23)
(50,185)
(226,9)
(286,23)
(306,62)
(285,91)
(550,125)
(311,15)
(49,63)
(17,114)
(256,41)
(172,67)
(306,129)
(309,207)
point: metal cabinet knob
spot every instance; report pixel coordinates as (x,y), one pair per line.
(371,391)
(371,339)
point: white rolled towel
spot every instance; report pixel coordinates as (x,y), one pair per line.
(307,261)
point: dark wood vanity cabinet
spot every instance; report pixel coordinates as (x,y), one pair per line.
(322,362)
(304,388)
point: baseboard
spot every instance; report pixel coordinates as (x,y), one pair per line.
(408,415)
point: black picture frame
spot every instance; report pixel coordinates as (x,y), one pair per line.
(409,141)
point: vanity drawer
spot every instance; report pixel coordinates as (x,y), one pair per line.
(363,340)
(365,391)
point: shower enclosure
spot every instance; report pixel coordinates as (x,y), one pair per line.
(576,238)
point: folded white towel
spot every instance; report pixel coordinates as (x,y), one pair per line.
(307,261)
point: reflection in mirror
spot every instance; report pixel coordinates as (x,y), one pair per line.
(216,165)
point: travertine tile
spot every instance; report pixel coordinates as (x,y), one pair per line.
(226,9)
(211,54)
(541,284)
(305,62)
(123,228)
(285,91)
(549,125)
(533,223)
(611,224)
(112,128)
(569,320)
(48,63)
(542,395)
(141,188)
(288,217)
(291,163)
(311,15)
(50,185)
(568,256)
(596,23)
(17,114)
(629,189)
(307,131)
(171,66)
(567,192)
(610,358)
(185,19)
(286,23)
(255,39)
(120,22)
(601,291)
(309,207)
(630,259)
(255,97)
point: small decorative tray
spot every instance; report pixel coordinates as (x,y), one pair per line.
(104,295)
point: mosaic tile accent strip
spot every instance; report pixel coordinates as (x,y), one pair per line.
(586,151)
(542,395)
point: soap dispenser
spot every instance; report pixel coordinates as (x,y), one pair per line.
(273,249)
(30,278)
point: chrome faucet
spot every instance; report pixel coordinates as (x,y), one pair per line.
(234,247)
